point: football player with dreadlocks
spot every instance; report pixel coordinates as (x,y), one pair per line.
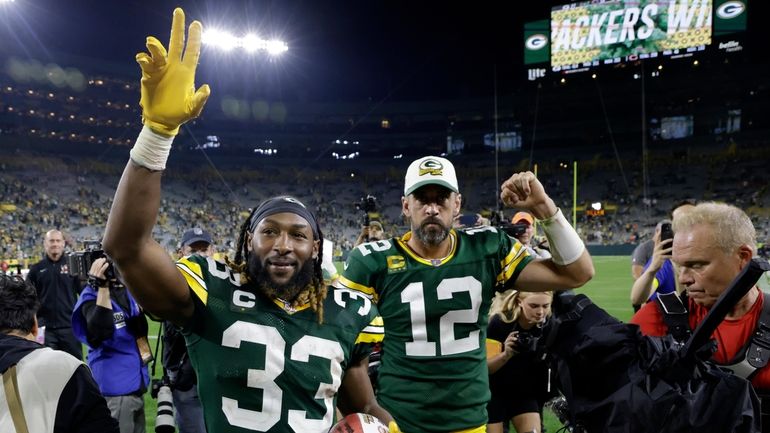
(272,349)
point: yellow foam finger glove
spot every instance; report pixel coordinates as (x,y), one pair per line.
(393,427)
(169,98)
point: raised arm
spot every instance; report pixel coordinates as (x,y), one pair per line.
(643,288)
(570,265)
(168,100)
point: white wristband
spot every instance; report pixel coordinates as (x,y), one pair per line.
(566,245)
(151,149)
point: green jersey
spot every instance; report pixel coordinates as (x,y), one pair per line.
(263,366)
(433,375)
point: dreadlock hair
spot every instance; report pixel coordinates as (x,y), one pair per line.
(507,304)
(314,293)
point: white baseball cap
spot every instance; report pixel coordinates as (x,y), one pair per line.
(430,170)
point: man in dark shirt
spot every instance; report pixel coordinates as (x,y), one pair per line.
(56,391)
(57,291)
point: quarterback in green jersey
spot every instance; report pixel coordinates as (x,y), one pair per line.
(433,287)
(275,350)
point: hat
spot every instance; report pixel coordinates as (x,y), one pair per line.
(376,223)
(522,216)
(194,235)
(430,170)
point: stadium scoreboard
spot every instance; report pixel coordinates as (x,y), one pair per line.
(585,35)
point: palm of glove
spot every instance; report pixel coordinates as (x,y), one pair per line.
(169,98)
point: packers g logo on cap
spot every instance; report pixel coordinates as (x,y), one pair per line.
(431,167)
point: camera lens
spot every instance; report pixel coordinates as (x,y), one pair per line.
(164,422)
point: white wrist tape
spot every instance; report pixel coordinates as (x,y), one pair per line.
(566,245)
(151,149)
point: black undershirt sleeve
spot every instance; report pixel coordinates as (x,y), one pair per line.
(99,323)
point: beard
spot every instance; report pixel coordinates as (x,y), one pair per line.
(431,235)
(287,291)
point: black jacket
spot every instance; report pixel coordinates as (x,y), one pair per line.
(57,291)
(81,407)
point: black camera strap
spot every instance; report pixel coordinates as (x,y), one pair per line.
(157,346)
(741,285)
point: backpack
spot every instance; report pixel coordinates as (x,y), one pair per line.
(616,380)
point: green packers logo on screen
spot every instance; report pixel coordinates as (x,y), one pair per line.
(432,167)
(536,42)
(730,9)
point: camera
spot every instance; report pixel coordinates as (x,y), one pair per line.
(80,262)
(513,230)
(160,389)
(527,339)
(560,407)
(366,205)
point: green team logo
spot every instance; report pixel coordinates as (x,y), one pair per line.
(730,9)
(432,167)
(536,42)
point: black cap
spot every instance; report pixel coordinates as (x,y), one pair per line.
(194,235)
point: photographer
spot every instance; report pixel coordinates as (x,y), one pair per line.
(519,375)
(111,323)
(371,232)
(658,274)
(524,232)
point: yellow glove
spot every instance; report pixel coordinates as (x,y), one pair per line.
(169,98)
(393,427)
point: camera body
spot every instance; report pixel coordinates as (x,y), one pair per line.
(513,230)
(527,339)
(366,205)
(80,262)
(157,384)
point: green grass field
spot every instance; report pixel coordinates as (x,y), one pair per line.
(609,289)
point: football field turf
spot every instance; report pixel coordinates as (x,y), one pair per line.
(609,289)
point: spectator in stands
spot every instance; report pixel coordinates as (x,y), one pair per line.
(372,232)
(176,360)
(110,322)
(713,242)
(54,391)
(518,374)
(57,291)
(526,237)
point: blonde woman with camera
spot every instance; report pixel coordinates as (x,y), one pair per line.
(519,374)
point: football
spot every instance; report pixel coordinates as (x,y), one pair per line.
(359,423)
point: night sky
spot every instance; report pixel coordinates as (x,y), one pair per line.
(338,50)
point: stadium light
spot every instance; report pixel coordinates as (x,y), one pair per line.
(250,43)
